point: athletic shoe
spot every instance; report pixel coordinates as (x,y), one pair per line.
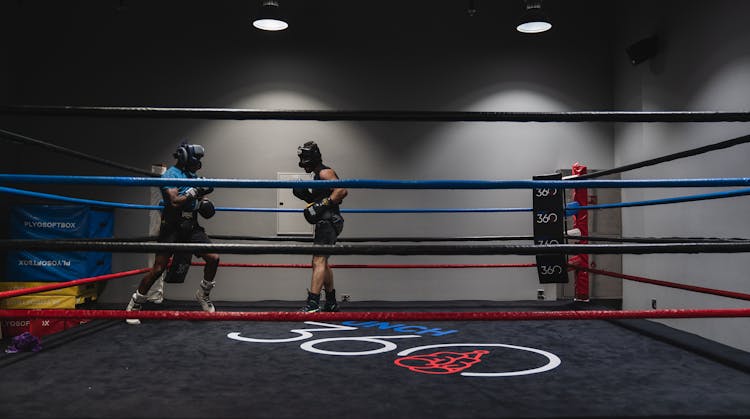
(313,303)
(331,306)
(133,305)
(206,303)
(157,297)
(331,303)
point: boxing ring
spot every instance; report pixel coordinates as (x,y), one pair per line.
(383,359)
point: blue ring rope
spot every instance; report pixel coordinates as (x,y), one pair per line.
(107,204)
(432,210)
(383,210)
(375,184)
(32,194)
(689,198)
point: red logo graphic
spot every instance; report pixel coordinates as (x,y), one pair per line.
(441,362)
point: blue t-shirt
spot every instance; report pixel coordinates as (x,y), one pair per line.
(176,173)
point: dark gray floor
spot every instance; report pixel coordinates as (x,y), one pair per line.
(184,369)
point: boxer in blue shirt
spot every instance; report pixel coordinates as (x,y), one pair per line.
(179,224)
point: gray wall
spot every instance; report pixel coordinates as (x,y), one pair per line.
(704,65)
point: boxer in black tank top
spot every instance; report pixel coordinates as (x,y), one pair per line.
(323,212)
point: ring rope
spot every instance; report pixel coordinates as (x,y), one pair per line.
(283,316)
(309,238)
(382,210)
(15,137)
(669,157)
(375,184)
(657,239)
(75,282)
(47,287)
(53,286)
(703,290)
(59,285)
(334,115)
(373,249)
(374,266)
(690,198)
(472,238)
(371,239)
(53,197)
(107,204)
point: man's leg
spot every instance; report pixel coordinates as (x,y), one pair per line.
(160,265)
(139,297)
(331,304)
(208,282)
(327,277)
(326,233)
(319,267)
(198,235)
(319,273)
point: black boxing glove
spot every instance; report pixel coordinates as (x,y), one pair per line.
(205,190)
(303,194)
(206,208)
(317,211)
(197,193)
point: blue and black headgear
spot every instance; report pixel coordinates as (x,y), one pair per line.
(189,155)
(309,155)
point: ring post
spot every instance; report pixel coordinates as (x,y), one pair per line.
(549,227)
(581,222)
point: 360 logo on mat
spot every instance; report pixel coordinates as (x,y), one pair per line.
(428,359)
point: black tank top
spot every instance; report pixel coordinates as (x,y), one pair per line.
(320,193)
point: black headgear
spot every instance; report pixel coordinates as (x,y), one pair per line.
(309,155)
(189,155)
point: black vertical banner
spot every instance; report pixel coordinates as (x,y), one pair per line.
(549,228)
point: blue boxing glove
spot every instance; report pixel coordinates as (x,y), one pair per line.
(317,211)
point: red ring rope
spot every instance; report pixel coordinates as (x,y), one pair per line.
(379,266)
(58,285)
(283,316)
(730,294)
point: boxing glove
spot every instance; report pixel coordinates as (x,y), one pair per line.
(206,208)
(303,194)
(317,211)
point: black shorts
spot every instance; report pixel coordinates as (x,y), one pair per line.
(327,231)
(174,233)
